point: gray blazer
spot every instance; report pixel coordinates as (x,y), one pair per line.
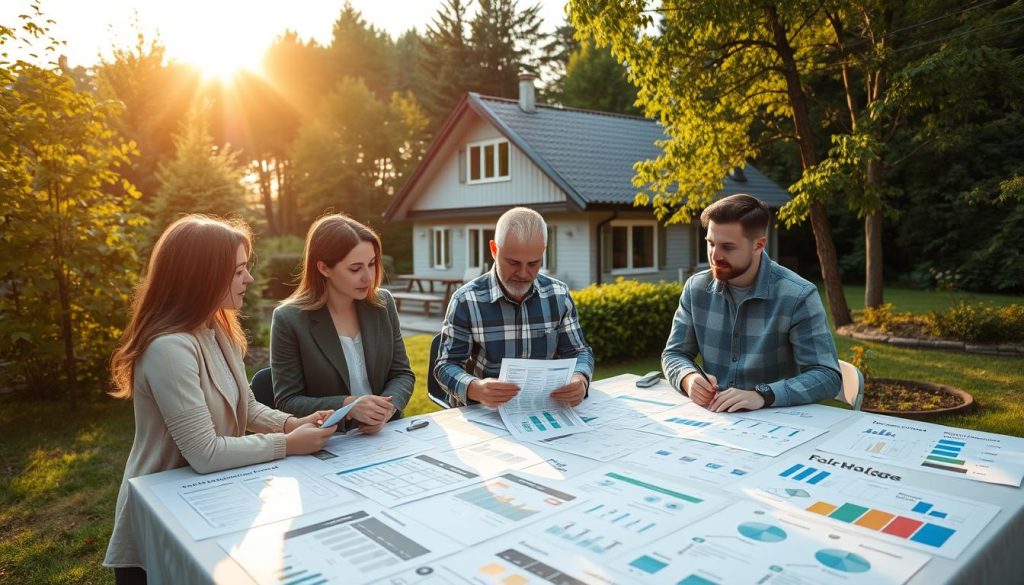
(308,365)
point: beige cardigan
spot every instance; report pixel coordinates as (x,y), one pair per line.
(182,417)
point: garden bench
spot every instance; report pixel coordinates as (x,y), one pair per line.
(425,298)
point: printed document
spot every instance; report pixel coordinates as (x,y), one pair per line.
(533,414)
(351,544)
(502,504)
(236,499)
(875,501)
(948,451)
(749,543)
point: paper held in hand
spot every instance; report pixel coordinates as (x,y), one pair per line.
(533,414)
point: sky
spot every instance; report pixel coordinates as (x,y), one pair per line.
(221,35)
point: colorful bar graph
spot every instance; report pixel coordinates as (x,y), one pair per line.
(802,473)
(891,524)
(946,455)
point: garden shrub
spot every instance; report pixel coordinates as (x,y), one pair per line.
(627,319)
(889,321)
(279,274)
(979,323)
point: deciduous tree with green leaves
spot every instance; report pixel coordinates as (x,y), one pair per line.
(724,79)
(67,236)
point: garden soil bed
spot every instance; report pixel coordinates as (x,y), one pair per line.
(913,398)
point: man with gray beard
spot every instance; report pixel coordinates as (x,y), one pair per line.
(511,311)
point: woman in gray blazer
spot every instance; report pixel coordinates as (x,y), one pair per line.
(180,361)
(337,338)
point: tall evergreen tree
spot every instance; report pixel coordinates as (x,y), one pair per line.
(361,51)
(504,40)
(201,178)
(447,59)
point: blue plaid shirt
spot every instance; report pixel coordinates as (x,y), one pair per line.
(778,335)
(483,326)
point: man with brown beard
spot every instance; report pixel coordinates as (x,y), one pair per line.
(760,328)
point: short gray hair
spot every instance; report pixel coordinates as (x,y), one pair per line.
(523,223)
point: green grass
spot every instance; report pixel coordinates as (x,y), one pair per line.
(907,300)
(60,471)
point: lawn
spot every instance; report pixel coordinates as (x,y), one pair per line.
(59,471)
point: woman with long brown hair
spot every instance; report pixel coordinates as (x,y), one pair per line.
(337,338)
(180,361)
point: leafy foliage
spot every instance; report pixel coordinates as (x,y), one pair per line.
(67,228)
(979,322)
(627,319)
(595,80)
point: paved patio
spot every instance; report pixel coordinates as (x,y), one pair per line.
(415,323)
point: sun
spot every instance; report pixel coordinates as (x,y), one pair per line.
(215,42)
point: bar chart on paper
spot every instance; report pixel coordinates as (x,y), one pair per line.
(357,544)
(934,448)
(624,510)
(693,460)
(883,507)
(479,512)
(750,434)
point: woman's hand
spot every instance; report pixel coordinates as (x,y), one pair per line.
(307,438)
(317,418)
(372,410)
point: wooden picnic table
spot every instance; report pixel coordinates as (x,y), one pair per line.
(426,283)
(424,292)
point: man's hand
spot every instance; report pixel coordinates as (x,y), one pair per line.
(573,392)
(699,390)
(734,399)
(491,392)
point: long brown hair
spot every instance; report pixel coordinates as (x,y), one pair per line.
(330,239)
(189,271)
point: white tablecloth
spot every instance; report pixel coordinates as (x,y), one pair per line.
(171,556)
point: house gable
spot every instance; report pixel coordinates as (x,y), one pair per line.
(445,186)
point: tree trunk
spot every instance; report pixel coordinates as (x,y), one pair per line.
(873,241)
(66,332)
(266,196)
(824,246)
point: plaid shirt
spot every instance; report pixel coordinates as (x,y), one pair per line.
(778,336)
(483,326)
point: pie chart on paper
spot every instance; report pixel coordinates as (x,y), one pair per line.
(840,560)
(762,532)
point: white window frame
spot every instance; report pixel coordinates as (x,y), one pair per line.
(630,224)
(549,248)
(442,250)
(701,248)
(482,144)
(469,245)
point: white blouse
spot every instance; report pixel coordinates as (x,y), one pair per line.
(358,380)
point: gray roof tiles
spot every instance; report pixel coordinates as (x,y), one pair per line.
(594,153)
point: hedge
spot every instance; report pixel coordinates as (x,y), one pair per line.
(627,319)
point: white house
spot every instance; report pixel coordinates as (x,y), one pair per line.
(573,166)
